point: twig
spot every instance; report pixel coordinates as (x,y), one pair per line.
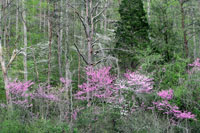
(81,54)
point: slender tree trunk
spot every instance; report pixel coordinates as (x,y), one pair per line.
(105,19)
(198,48)
(25,41)
(5,73)
(183,29)
(50,39)
(66,54)
(59,56)
(35,65)
(44,24)
(60,35)
(5,23)
(3,67)
(40,14)
(89,47)
(149,9)
(17,19)
(89,26)
(67,77)
(194,33)
(9,26)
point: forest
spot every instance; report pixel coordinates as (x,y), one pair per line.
(99,66)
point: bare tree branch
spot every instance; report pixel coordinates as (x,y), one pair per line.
(93,43)
(96,63)
(80,17)
(95,7)
(105,58)
(14,54)
(80,54)
(100,12)
(97,51)
(8,4)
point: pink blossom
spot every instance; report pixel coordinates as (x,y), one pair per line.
(185,115)
(2,105)
(167,108)
(75,112)
(100,84)
(140,83)
(166,94)
(20,92)
(65,81)
(196,63)
(40,93)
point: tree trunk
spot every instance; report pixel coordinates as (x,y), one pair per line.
(4,24)
(89,26)
(44,24)
(149,9)
(49,56)
(89,41)
(4,70)
(35,65)
(17,19)
(40,14)
(194,34)
(183,29)
(25,41)
(3,65)
(60,35)
(105,19)
(66,52)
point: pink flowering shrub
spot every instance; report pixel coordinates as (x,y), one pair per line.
(195,66)
(20,93)
(185,115)
(66,82)
(138,82)
(133,91)
(196,63)
(42,101)
(75,113)
(100,84)
(23,97)
(169,109)
(45,94)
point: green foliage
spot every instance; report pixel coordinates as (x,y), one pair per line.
(110,120)
(12,126)
(47,126)
(11,122)
(132,31)
(171,75)
(98,119)
(165,38)
(2,94)
(189,94)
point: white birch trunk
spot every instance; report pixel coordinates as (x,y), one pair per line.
(149,9)
(17,18)
(194,34)
(3,65)
(50,39)
(60,37)
(40,14)
(194,39)
(25,41)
